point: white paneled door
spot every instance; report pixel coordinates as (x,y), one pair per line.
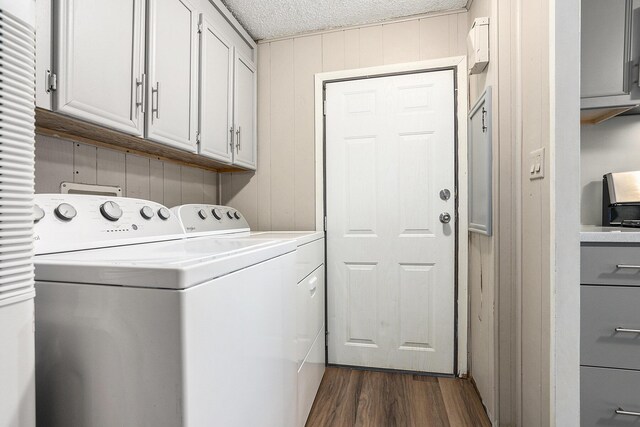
(391,232)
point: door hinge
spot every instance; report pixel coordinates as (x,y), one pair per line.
(324,107)
(197,137)
(51,81)
(200,28)
(325,223)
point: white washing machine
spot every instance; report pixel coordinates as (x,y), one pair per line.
(138,326)
(226,222)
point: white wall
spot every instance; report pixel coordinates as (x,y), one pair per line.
(281,194)
(171,184)
(611,146)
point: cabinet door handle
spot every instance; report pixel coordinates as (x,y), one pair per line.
(230,139)
(155,105)
(627,330)
(313,284)
(621,411)
(629,266)
(238,138)
(141,89)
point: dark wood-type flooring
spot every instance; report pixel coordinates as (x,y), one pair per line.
(349,397)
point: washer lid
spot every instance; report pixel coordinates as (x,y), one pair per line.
(177,264)
(301,237)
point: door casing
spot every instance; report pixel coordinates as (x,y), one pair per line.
(459,65)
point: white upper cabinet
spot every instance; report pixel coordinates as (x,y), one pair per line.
(216,93)
(176,72)
(172,67)
(99,62)
(245,112)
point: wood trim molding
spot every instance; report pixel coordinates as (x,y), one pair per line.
(64,127)
(358,26)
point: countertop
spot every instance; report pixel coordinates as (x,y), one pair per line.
(597,234)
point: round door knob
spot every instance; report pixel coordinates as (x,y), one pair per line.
(111,211)
(65,212)
(236,215)
(146,212)
(230,214)
(164,214)
(216,213)
(445,194)
(445,217)
(38,213)
(202,214)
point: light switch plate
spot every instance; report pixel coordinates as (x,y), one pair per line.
(536,164)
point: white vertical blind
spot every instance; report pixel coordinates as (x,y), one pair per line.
(17,130)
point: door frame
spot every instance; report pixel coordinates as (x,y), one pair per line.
(459,65)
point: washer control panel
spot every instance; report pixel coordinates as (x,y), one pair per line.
(210,219)
(66,222)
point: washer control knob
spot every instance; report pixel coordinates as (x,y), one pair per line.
(236,215)
(216,213)
(65,212)
(230,214)
(164,214)
(146,212)
(202,214)
(38,213)
(111,210)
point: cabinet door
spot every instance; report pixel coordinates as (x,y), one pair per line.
(216,93)
(44,53)
(244,115)
(606,47)
(172,92)
(99,62)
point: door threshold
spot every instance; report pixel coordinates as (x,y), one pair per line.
(393,371)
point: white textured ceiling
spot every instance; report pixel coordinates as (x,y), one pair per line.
(266,19)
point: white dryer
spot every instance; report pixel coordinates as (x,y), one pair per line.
(226,222)
(138,326)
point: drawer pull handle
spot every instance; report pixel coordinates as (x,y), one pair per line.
(313,283)
(627,330)
(629,266)
(621,411)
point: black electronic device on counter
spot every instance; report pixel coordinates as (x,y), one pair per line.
(621,199)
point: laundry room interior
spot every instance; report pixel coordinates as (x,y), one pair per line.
(296,213)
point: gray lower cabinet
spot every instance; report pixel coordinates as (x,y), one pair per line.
(610,335)
(610,397)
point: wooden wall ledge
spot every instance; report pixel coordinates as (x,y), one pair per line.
(64,127)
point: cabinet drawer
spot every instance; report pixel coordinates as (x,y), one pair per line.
(309,378)
(610,265)
(309,257)
(603,309)
(310,311)
(603,391)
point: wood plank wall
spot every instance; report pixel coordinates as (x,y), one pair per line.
(482,261)
(171,184)
(281,195)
